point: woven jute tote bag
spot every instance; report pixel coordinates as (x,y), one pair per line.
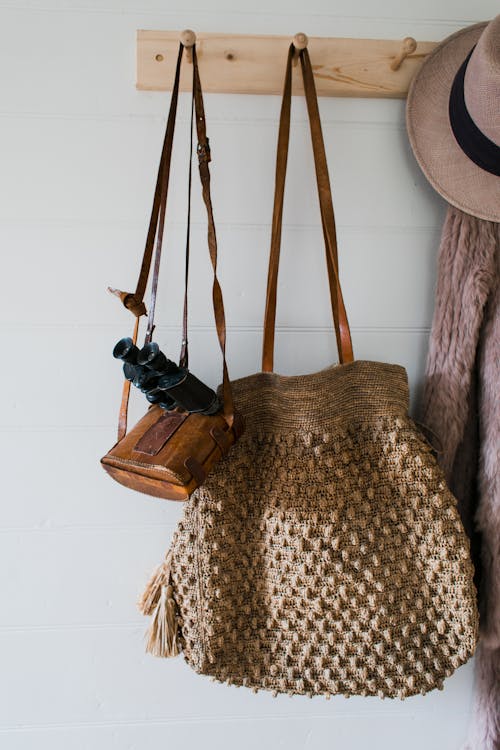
(325,555)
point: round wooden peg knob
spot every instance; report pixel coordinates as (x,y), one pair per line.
(300,41)
(188,40)
(408,47)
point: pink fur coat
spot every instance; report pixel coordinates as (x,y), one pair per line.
(461,404)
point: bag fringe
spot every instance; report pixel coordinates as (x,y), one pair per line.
(158,602)
(152,592)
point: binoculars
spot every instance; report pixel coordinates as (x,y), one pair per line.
(162,381)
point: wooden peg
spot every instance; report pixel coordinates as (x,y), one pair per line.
(408,47)
(299,42)
(188,39)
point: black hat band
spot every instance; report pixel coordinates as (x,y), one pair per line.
(473,142)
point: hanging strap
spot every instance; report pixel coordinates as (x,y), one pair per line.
(184,355)
(203,151)
(134,302)
(164,172)
(122,416)
(341,325)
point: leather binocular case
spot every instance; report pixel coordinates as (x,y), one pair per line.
(169,454)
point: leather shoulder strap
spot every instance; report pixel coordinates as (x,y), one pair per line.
(164,179)
(203,150)
(134,302)
(341,325)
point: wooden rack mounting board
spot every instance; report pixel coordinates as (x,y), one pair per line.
(246,64)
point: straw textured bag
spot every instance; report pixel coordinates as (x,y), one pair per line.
(326,554)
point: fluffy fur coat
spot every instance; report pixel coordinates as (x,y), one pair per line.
(461,404)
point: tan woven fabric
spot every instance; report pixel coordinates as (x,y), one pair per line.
(325,555)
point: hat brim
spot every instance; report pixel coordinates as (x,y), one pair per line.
(456,177)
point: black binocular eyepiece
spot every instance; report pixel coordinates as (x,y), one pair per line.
(151,356)
(126,350)
(162,381)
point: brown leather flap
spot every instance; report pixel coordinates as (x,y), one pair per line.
(153,440)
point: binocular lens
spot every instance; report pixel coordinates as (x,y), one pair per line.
(126,350)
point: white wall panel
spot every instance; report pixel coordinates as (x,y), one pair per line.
(348,732)
(70,490)
(105,170)
(91,256)
(83,675)
(96,574)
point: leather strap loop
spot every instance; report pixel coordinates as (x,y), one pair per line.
(341,325)
(130,301)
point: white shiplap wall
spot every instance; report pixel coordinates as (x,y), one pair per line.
(78,153)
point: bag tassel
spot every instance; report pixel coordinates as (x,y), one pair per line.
(158,603)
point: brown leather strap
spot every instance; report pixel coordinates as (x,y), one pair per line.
(341,325)
(342,330)
(156,229)
(203,151)
(184,355)
(122,418)
(134,301)
(164,176)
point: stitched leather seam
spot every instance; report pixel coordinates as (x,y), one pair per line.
(130,462)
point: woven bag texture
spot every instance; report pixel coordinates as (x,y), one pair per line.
(326,555)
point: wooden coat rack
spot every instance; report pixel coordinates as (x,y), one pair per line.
(245,64)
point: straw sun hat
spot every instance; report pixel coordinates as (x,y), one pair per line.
(453,119)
